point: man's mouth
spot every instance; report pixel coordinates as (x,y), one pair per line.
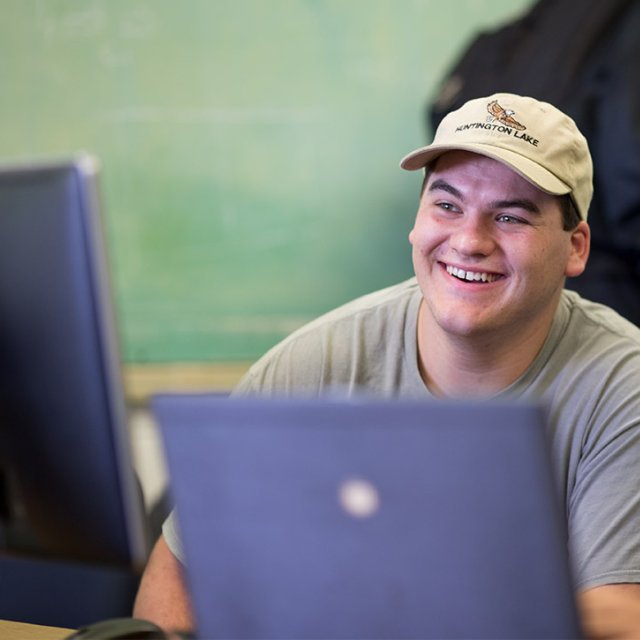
(471,276)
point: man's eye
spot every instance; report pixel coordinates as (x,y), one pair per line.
(447,206)
(509,219)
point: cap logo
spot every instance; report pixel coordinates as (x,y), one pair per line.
(496,112)
(500,120)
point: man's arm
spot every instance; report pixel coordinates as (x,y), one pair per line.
(162,597)
(610,611)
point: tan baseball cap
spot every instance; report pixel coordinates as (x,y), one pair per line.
(533,138)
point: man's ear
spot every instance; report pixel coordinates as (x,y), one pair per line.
(580,246)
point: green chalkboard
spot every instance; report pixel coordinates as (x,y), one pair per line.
(250,148)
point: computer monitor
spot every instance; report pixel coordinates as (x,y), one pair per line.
(69,487)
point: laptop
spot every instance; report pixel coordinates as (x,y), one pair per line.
(367,519)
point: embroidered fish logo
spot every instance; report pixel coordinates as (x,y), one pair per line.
(496,112)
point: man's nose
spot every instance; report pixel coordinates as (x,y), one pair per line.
(473,236)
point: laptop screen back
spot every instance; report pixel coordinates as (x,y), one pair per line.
(350,519)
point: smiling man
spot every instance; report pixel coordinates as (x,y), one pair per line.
(490,254)
(502,221)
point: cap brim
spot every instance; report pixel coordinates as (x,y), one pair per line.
(529,170)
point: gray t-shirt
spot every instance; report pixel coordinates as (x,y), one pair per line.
(587,373)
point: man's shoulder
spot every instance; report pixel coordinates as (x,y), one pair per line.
(377,307)
(599,320)
(383,301)
(589,342)
(353,337)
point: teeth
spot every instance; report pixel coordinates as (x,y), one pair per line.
(471,276)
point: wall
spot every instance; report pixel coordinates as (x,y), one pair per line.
(250,149)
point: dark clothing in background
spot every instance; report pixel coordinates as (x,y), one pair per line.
(583,56)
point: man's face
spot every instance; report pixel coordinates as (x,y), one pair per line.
(489,250)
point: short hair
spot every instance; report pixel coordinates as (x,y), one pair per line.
(570,216)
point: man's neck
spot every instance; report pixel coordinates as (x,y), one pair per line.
(474,366)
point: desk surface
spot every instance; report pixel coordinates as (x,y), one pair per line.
(24,631)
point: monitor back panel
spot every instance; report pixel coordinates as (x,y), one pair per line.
(62,406)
